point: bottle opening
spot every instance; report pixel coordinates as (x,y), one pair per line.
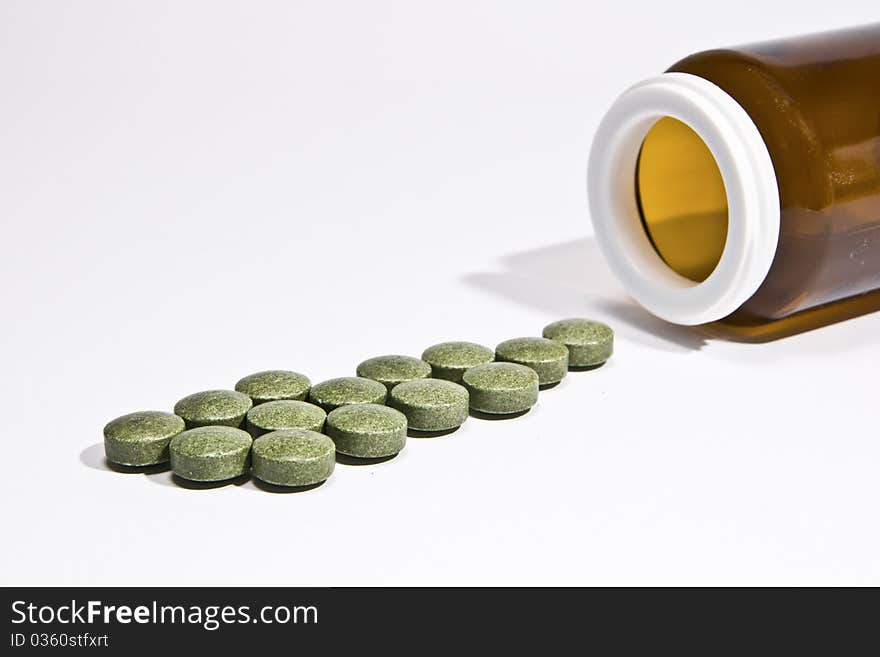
(681,199)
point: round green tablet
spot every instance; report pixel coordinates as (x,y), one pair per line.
(391,370)
(213,453)
(450,360)
(142,438)
(431,404)
(293,457)
(367,430)
(334,393)
(213,407)
(589,343)
(548,358)
(274,384)
(285,414)
(501,388)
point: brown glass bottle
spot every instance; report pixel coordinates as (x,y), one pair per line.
(815,102)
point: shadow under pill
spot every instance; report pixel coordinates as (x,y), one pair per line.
(159,468)
(273,488)
(549,386)
(208,485)
(415,433)
(345,459)
(480,415)
(584,368)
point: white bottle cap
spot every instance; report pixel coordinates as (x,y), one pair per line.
(749,180)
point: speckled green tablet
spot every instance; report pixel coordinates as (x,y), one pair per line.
(285,414)
(430,404)
(391,370)
(548,358)
(589,343)
(367,430)
(334,393)
(213,407)
(501,388)
(142,438)
(450,360)
(214,453)
(272,385)
(293,457)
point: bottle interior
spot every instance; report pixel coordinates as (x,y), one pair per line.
(682,199)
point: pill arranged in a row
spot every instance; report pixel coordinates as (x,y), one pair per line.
(295,430)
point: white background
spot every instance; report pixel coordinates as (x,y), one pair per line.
(194,191)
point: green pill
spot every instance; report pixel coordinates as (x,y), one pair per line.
(334,393)
(142,438)
(501,388)
(213,453)
(274,384)
(213,407)
(589,343)
(293,457)
(285,414)
(548,358)
(431,404)
(367,430)
(450,360)
(391,370)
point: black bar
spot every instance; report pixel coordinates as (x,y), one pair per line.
(288,621)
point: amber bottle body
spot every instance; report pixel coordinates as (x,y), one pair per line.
(816,102)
